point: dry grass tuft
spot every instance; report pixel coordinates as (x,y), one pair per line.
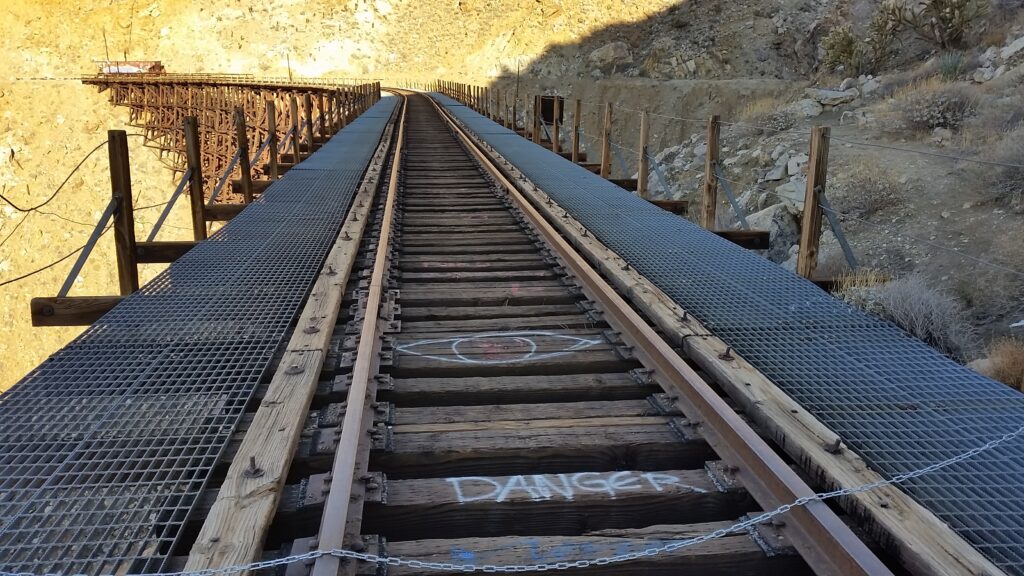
(1007,359)
(935,106)
(863,278)
(865,189)
(921,310)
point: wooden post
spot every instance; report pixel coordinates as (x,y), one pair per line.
(577,110)
(323,116)
(536,119)
(515,114)
(643,165)
(243,154)
(195,180)
(499,107)
(708,210)
(272,145)
(606,142)
(307,105)
(556,145)
(124,216)
(810,225)
(294,102)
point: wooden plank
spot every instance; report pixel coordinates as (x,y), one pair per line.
(481,265)
(680,207)
(749,239)
(404,416)
(485,312)
(519,246)
(733,555)
(810,222)
(234,531)
(550,504)
(519,363)
(643,164)
(193,157)
(162,251)
(513,295)
(71,310)
(223,212)
(124,216)
(506,321)
(630,184)
(437,392)
(543,446)
(709,205)
(495,276)
(606,142)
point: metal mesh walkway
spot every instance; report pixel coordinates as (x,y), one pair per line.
(899,404)
(106,445)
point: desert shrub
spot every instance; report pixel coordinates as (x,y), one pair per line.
(865,190)
(862,55)
(844,48)
(923,311)
(951,65)
(1007,360)
(942,107)
(945,23)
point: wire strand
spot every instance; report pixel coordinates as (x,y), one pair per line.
(926,153)
(59,188)
(48,266)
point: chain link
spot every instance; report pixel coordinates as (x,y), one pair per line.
(738,527)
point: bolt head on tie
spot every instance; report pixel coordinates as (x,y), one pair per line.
(727,355)
(253,471)
(294,369)
(311,329)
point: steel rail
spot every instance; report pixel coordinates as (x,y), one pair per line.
(827,544)
(332,525)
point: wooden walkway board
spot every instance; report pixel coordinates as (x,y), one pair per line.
(728,556)
(550,504)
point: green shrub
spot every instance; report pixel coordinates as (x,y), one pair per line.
(951,65)
(945,23)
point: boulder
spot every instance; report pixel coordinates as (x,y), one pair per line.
(870,86)
(847,84)
(778,172)
(612,54)
(792,193)
(783,230)
(1012,49)
(832,97)
(794,165)
(807,107)
(982,75)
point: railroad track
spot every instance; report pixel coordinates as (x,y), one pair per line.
(486,401)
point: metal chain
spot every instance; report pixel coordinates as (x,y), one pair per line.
(604,560)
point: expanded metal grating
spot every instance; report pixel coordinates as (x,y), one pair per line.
(105,446)
(898,403)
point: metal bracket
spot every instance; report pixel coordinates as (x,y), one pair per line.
(663,405)
(382,438)
(684,429)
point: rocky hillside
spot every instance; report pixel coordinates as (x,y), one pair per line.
(772,64)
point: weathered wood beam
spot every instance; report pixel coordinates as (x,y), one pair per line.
(162,252)
(71,310)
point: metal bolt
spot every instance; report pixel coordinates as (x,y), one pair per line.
(834,447)
(346,236)
(311,329)
(294,369)
(727,355)
(372,485)
(253,471)
(330,270)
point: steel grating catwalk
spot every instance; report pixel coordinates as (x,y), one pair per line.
(105,446)
(893,399)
